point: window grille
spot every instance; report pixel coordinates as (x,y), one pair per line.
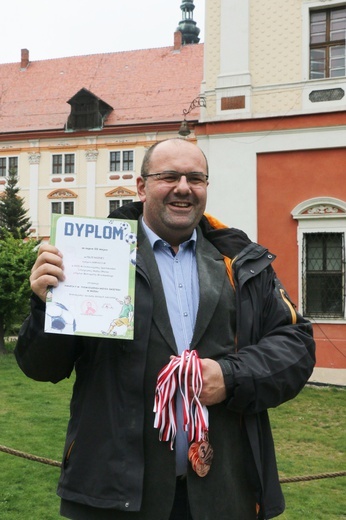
(323,275)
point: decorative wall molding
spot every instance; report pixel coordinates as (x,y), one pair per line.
(91,155)
(34,157)
(62,194)
(320,206)
(121,192)
(330,94)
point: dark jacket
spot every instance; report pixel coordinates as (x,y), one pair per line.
(275,357)
(272,362)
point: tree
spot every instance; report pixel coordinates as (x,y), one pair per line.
(16,259)
(13,215)
(17,255)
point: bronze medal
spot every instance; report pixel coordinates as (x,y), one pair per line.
(202,469)
(205,452)
(201,455)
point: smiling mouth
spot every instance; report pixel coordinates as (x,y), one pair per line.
(181,204)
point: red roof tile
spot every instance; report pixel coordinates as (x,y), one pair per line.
(142,86)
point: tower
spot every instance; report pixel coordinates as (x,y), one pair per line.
(187,26)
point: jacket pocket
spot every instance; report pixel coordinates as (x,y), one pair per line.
(68,454)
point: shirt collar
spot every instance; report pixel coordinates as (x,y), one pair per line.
(155,239)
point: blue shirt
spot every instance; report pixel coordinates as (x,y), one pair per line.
(179,277)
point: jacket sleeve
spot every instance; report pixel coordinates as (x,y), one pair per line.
(276,350)
(42,356)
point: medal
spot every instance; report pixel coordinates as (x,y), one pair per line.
(205,452)
(201,455)
(176,376)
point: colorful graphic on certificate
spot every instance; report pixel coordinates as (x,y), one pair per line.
(97,297)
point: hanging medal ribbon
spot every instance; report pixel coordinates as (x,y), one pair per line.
(178,375)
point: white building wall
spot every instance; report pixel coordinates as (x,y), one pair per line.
(232,193)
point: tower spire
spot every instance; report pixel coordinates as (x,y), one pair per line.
(187,26)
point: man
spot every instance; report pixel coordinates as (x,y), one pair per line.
(199,287)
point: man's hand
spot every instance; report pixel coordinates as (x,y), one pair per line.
(47,270)
(213,390)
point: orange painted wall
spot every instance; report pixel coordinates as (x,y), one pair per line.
(284,180)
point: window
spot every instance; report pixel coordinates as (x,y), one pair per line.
(121,161)
(63,163)
(87,111)
(324,275)
(322,257)
(63,207)
(8,163)
(327,43)
(117,203)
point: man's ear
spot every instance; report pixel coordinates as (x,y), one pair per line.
(141,189)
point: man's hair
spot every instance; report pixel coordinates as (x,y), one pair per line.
(147,157)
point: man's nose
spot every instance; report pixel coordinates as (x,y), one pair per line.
(183,185)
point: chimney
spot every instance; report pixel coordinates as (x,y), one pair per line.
(178,40)
(24,62)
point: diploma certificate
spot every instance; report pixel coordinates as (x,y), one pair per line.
(97,297)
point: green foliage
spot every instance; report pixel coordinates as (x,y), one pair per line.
(13,216)
(16,260)
(308,432)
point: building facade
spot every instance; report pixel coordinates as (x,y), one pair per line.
(272,123)
(76,129)
(274,130)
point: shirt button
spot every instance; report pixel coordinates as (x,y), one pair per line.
(180,285)
(185,314)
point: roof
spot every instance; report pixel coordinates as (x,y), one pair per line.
(142,86)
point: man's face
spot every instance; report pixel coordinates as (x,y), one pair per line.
(173,212)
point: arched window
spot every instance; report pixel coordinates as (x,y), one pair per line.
(321,243)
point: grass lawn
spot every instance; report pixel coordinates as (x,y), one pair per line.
(33,419)
(309,434)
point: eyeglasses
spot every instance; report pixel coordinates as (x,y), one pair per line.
(172,177)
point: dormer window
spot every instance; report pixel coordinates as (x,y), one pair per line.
(87,111)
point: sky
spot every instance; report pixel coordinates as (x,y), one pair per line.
(56,29)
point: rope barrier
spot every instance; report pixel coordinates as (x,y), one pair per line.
(313,477)
(58,464)
(28,456)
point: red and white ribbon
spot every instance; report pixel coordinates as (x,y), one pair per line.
(180,373)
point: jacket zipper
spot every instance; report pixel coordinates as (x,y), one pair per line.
(289,305)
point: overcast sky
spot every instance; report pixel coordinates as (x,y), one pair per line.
(56,29)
